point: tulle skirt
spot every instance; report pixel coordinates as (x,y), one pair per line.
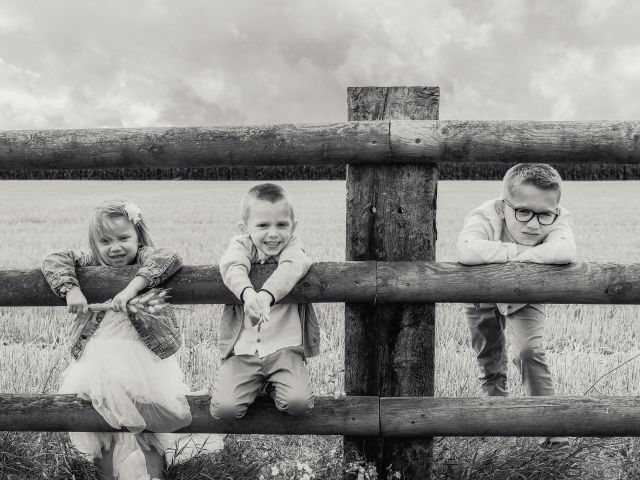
(132,388)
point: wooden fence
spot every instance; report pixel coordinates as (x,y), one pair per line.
(390,281)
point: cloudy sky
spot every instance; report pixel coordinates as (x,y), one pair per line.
(87,63)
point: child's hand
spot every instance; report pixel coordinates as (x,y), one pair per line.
(264,301)
(76,301)
(119,302)
(252,308)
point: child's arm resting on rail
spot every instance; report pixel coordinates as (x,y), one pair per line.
(293,264)
(59,270)
(475,245)
(157,265)
(559,246)
(235,265)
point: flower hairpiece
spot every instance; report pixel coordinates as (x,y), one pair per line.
(133,212)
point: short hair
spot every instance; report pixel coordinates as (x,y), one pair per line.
(268,192)
(540,175)
(100,227)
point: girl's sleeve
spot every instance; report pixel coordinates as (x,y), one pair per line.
(235,265)
(475,245)
(158,264)
(293,264)
(59,268)
(559,247)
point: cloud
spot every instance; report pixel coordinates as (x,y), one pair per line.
(82,64)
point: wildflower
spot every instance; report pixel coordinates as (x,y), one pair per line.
(275,471)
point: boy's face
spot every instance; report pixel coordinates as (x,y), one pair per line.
(531,198)
(269,225)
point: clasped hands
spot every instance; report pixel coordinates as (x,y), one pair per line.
(257,305)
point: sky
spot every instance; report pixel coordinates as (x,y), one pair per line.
(145,63)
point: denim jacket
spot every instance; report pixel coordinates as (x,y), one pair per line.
(159,332)
(293,264)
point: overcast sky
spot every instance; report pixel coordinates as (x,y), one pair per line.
(86,63)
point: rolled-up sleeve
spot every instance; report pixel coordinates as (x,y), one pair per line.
(59,268)
(158,264)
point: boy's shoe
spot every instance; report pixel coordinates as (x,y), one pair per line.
(554,443)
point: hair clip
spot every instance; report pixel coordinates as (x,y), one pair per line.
(133,212)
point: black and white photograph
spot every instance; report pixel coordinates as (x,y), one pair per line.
(300,240)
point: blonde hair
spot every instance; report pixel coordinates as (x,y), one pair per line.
(100,224)
(268,192)
(540,175)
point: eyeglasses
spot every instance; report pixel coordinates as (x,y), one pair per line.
(525,215)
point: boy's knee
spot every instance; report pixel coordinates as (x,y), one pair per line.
(227,411)
(529,353)
(295,404)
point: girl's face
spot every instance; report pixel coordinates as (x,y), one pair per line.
(121,246)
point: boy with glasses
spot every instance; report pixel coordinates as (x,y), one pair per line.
(525,225)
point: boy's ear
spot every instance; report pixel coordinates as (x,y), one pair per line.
(241,226)
(500,208)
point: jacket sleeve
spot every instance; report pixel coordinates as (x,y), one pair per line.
(475,245)
(235,264)
(59,267)
(293,264)
(158,264)
(558,247)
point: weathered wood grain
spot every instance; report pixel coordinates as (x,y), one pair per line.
(463,141)
(325,282)
(378,142)
(257,145)
(355,416)
(389,349)
(510,416)
(364,283)
(362,416)
(514,282)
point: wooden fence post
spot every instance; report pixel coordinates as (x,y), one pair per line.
(391,215)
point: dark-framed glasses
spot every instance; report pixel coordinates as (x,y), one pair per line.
(525,215)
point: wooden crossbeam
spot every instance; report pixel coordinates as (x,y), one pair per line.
(365,142)
(366,282)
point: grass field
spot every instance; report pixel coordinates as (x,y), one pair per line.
(197,219)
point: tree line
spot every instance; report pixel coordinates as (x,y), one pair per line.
(448,171)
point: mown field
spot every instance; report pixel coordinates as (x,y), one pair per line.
(197,218)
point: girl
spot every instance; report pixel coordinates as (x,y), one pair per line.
(124,361)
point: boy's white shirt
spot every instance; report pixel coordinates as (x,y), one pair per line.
(284,326)
(480,243)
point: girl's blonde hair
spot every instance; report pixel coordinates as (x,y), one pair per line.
(100,225)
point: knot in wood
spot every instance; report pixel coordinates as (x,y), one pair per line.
(616,290)
(280,142)
(445,131)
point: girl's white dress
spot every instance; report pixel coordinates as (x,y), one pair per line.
(131,387)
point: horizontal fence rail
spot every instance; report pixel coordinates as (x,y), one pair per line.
(346,415)
(366,282)
(368,142)
(362,416)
